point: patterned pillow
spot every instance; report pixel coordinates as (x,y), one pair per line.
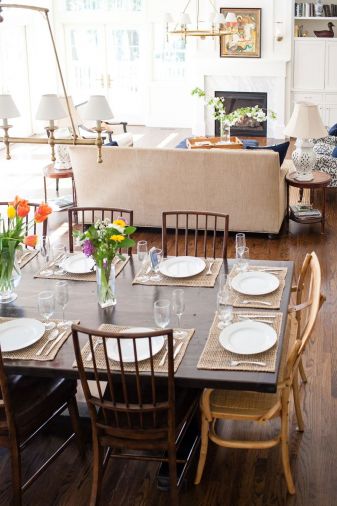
(322,148)
(333,130)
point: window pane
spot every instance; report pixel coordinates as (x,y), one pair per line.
(104,5)
(169,55)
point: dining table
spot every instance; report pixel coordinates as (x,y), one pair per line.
(135,308)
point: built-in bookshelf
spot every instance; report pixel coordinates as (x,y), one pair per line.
(306,22)
(307,10)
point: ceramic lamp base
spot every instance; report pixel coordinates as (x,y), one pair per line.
(304,160)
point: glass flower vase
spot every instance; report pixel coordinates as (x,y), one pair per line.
(10,275)
(225,132)
(106,284)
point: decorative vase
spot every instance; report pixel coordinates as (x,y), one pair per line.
(225,132)
(106,284)
(10,275)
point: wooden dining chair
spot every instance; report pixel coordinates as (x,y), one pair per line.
(204,234)
(79,218)
(306,291)
(36,228)
(27,405)
(261,407)
(140,411)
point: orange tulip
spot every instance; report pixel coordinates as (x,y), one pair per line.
(30,240)
(42,213)
(23,208)
(16,201)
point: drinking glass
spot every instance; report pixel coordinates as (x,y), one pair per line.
(46,306)
(242,255)
(224,309)
(46,253)
(142,255)
(60,254)
(157,276)
(240,242)
(62,298)
(178,307)
(161,312)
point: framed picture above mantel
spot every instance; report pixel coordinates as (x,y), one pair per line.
(244,41)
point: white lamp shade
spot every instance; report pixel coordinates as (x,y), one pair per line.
(306,122)
(8,108)
(50,108)
(231,17)
(184,19)
(97,108)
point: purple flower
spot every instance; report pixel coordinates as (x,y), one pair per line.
(87,248)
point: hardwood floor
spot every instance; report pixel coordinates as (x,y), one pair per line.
(231,477)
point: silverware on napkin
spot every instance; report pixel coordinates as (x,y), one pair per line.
(56,341)
(249,362)
(256,301)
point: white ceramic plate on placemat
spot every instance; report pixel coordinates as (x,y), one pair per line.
(143,348)
(20,333)
(255,283)
(78,264)
(182,267)
(248,337)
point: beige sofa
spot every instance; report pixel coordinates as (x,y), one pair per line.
(248,185)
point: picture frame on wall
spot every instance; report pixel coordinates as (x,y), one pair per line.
(244,39)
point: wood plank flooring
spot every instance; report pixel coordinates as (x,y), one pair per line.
(232,477)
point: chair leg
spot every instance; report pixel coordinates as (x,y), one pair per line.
(302,371)
(297,403)
(285,452)
(203,450)
(97,472)
(75,422)
(173,475)
(16,474)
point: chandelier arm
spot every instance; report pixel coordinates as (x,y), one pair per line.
(29,7)
(186,6)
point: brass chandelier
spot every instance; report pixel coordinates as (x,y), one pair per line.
(51,109)
(216,26)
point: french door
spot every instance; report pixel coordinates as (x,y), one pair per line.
(103,59)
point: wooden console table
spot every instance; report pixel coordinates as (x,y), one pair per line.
(213,143)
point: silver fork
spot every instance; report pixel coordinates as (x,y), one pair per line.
(255,301)
(209,271)
(252,362)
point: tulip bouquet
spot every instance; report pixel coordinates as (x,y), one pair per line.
(13,229)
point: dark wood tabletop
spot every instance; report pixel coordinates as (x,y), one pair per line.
(135,307)
(320,179)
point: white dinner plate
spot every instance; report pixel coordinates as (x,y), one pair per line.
(248,337)
(20,333)
(255,283)
(143,348)
(78,264)
(182,267)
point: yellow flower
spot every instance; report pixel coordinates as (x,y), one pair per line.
(11,212)
(119,222)
(117,238)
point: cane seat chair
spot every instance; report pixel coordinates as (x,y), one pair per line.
(27,405)
(204,233)
(259,407)
(37,228)
(80,218)
(139,415)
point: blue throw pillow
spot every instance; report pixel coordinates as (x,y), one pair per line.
(281,149)
(333,130)
(112,143)
(334,153)
(249,142)
(182,144)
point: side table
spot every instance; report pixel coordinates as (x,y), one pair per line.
(320,181)
(49,171)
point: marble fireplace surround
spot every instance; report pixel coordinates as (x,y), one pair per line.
(260,76)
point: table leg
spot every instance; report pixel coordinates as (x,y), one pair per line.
(45,188)
(288,209)
(57,186)
(323,211)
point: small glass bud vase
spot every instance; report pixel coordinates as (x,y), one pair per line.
(225,132)
(106,284)
(10,275)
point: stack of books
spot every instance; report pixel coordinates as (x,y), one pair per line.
(307,10)
(305,211)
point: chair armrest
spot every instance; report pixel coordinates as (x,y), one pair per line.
(298,307)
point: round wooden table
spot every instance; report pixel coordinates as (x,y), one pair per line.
(320,181)
(50,172)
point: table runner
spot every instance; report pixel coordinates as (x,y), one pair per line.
(29,353)
(144,365)
(88,276)
(214,356)
(274,297)
(201,280)
(24,256)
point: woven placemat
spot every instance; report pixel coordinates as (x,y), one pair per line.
(202,280)
(26,255)
(88,276)
(214,356)
(29,353)
(274,298)
(144,365)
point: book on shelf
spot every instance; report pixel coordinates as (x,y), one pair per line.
(307,10)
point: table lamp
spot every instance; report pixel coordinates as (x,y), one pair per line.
(50,109)
(305,124)
(8,110)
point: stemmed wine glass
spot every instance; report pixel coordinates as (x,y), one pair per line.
(161,312)
(240,243)
(142,255)
(46,306)
(178,307)
(62,298)
(46,253)
(224,309)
